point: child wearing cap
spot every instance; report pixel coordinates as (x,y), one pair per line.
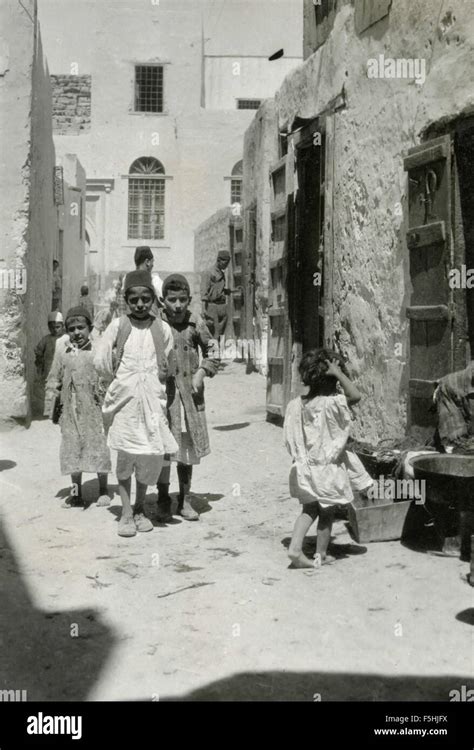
(74,380)
(185,394)
(133,354)
(54,341)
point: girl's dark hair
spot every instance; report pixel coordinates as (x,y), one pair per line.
(313,368)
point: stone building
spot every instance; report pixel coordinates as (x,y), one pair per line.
(71,253)
(28,216)
(29,207)
(369,150)
(155,97)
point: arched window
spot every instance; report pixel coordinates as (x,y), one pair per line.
(146,199)
(236,184)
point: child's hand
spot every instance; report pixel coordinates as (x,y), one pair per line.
(333,368)
(198,382)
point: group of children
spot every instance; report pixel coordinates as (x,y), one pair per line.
(140,391)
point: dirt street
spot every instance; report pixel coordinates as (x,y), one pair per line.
(211,610)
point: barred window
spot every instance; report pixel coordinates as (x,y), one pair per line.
(248,103)
(236,184)
(149,88)
(146,200)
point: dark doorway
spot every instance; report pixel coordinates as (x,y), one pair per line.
(309,240)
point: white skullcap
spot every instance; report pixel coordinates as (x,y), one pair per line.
(55,317)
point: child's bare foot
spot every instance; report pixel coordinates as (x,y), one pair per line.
(103,501)
(322,560)
(300,560)
(73,502)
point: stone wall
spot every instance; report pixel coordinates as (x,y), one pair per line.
(382,118)
(210,237)
(71,104)
(28,218)
(260,153)
(72,225)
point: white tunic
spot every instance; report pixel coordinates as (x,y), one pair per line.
(135,402)
(316,434)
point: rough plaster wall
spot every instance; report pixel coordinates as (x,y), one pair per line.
(73,272)
(371,282)
(27,214)
(71,103)
(43,224)
(260,153)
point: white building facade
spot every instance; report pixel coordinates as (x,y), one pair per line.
(154,96)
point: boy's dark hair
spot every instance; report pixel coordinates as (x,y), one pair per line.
(313,367)
(142,254)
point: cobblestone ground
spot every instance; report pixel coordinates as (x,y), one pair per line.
(210,610)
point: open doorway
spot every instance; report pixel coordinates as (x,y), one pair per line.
(309,245)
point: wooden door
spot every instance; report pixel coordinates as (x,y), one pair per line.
(430,255)
(278,321)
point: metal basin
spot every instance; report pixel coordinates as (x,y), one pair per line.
(449,479)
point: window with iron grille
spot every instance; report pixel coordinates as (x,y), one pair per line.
(236,191)
(146,200)
(149,88)
(236,183)
(248,103)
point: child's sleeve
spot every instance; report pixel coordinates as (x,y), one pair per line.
(54,381)
(340,410)
(103,351)
(206,344)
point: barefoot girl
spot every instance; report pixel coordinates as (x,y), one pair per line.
(73,377)
(316,429)
(134,354)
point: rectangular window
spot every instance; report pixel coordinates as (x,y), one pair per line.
(146,209)
(236,191)
(248,103)
(279,183)
(149,88)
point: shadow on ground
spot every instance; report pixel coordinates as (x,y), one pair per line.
(230,427)
(51,655)
(322,686)
(339,551)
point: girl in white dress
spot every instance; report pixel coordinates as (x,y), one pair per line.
(323,474)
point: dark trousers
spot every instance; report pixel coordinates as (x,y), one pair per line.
(216,318)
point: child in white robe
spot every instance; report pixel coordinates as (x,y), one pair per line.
(135,402)
(316,429)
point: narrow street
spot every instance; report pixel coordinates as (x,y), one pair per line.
(211,610)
